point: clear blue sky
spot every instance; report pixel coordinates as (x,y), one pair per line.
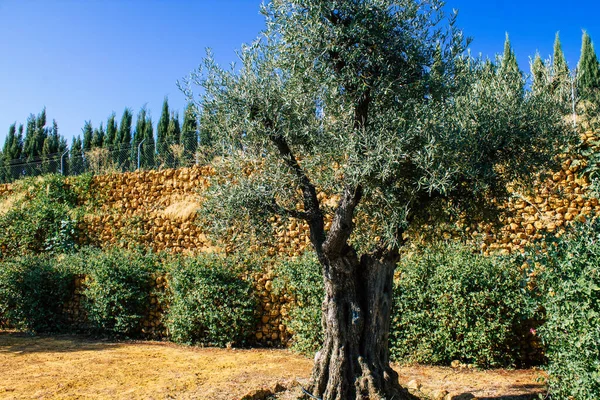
(85,59)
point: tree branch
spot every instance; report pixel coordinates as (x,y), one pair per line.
(342,224)
(312,210)
(276,208)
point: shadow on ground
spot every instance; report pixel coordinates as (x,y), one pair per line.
(26,343)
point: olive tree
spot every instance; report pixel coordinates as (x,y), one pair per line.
(374,103)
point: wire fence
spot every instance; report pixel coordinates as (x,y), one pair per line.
(103,160)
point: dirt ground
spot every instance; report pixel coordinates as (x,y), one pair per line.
(75,367)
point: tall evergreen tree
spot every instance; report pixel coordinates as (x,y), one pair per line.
(123,141)
(98,137)
(561,81)
(540,74)
(509,59)
(189,134)
(111,132)
(35,135)
(174,138)
(588,69)
(144,134)
(88,134)
(162,142)
(50,150)
(10,151)
(510,72)
(10,154)
(76,160)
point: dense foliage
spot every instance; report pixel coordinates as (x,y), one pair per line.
(569,284)
(43,218)
(33,291)
(449,304)
(210,303)
(117,288)
(453,304)
(302,278)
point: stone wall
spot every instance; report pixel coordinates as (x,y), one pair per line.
(158,209)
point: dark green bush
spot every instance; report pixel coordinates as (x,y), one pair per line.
(302,279)
(117,289)
(570,290)
(33,291)
(209,302)
(452,304)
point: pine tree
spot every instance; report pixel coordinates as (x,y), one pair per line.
(588,69)
(189,134)
(88,134)
(162,142)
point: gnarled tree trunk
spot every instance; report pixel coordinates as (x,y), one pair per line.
(354,360)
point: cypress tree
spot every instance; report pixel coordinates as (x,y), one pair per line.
(8,157)
(111,132)
(8,143)
(509,63)
(162,142)
(144,132)
(50,149)
(561,81)
(76,164)
(588,69)
(88,134)
(98,137)
(510,72)
(189,134)
(540,74)
(174,137)
(123,141)
(35,135)
(149,146)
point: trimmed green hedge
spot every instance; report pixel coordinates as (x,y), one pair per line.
(303,279)
(116,294)
(33,290)
(209,302)
(569,286)
(453,304)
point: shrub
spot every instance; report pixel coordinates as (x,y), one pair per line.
(453,304)
(570,289)
(43,219)
(303,280)
(117,289)
(209,302)
(33,292)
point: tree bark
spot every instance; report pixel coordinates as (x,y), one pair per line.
(354,360)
